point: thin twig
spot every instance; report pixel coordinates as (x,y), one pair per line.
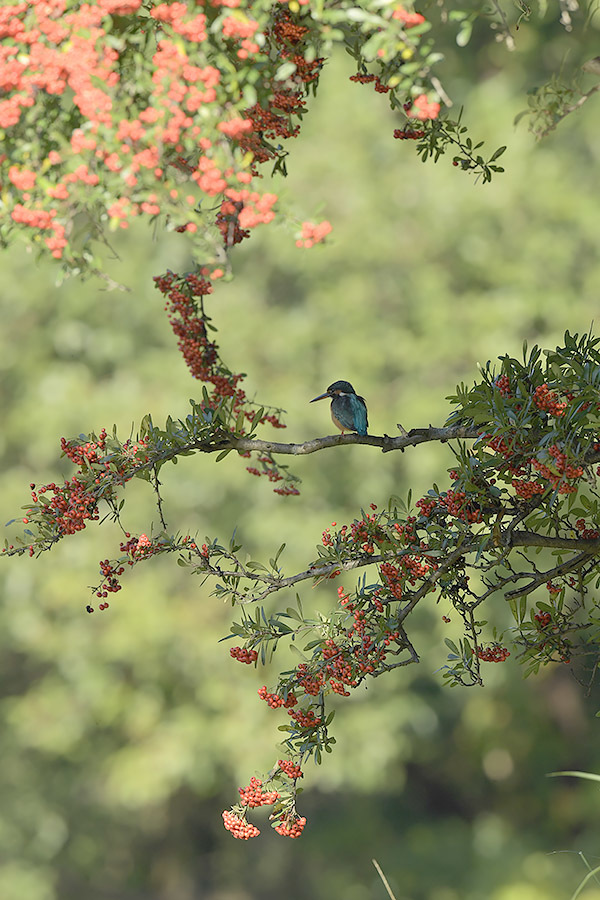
(571,565)
(159,503)
(508,38)
(386,883)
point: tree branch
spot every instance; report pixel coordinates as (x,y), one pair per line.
(533,539)
(245,445)
(387,443)
(325,569)
(571,565)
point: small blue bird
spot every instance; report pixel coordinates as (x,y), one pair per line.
(348,410)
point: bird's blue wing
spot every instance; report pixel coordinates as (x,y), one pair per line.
(351,412)
(361,423)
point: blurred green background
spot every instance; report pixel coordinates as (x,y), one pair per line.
(123,735)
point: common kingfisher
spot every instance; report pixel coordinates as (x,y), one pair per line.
(348,410)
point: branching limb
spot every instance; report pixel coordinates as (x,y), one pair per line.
(322,570)
(571,565)
(385,442)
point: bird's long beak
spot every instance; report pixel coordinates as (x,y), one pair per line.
(320,397)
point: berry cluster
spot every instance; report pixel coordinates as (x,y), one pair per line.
(288,490)
(313,234)
(560,471)
(423,108)
(365,78)
(499,445)
(273,120)
(253,795)
(390,576)
(495,653)
(408,134)
(547,401)
(75,502)
(585,532)
(453,503)
(459,507)
(305,719)
(408,19)
(71,506)
(427,506)
(527,489)
(110,574)
(503,385)
(185,308)
(269,468)
(291,826)
(363,535)
(291,769)
(274,700)
(243,655)
(238,826)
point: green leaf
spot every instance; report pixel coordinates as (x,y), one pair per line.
(452,646)
(285,71)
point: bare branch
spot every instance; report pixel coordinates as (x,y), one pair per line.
(387,443)
(571,565)
(315,571)
(533,539)
(224,441)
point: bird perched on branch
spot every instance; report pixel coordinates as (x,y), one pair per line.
(348,410)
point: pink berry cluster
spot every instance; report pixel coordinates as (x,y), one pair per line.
(313,234)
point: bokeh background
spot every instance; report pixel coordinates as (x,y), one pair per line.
(124,734)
